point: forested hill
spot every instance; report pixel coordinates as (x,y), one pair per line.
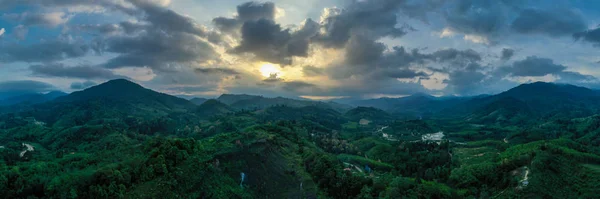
(249,102)
(521,104)
(121,90)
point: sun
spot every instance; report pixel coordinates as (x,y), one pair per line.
(267,69)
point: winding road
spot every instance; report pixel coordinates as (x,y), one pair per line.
(29,148)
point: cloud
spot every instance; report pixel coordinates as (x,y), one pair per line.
(403,73)
(45,19)
(161,39)
(465,82)
(570,77)
(266,40)
(456,56)
(361,50)
(262,37)
(224,71)
(299,86)
(25,86)
(250,11)
(82,85)
(533,66)
(373,18)
(158,50)
(312,71)
(166,19)
(2,31)
(550,22)
(507,53)
(45,51)
(20,32)
(592,36)
(254,11)
(83,72)
(485,18)
(274,77)
(192,89)
(104,29)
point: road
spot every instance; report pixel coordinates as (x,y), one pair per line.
(29,148)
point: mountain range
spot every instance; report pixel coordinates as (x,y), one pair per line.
(524,102)
(121,140)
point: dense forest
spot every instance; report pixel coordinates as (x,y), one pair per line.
(120,140)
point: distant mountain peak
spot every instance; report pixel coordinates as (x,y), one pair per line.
(421,94)
(539,89)
(120,82)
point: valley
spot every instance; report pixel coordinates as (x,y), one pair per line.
(120,140)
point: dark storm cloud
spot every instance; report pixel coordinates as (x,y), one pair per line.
(592,36)
(361,50)
(477,17)
(166,19)
(265,39)
(401,58)
(300,40)
(225,24)
(376,19)
(250,11)
(158,50)
(262,37)
(82,85)
(269,42)
(165,42)
(45,51)
(459,56)
(534,66)
(299,86)
(224,71)
(255,11)
(491,19)
(162,40)
(507,53)
(465,81)
(83,72)
(25,86)
(312,71)
(104,29)
(551,22)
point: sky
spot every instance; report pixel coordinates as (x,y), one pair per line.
(315,49)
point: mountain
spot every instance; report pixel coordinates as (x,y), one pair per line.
(250,102)
(32,98)
(537,100)
(121,90)
(232,98)
(544,90)
(114,100)
(368,113)
(213,107)
(198,101)
(418,105)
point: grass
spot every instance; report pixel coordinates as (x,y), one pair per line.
(469,156)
